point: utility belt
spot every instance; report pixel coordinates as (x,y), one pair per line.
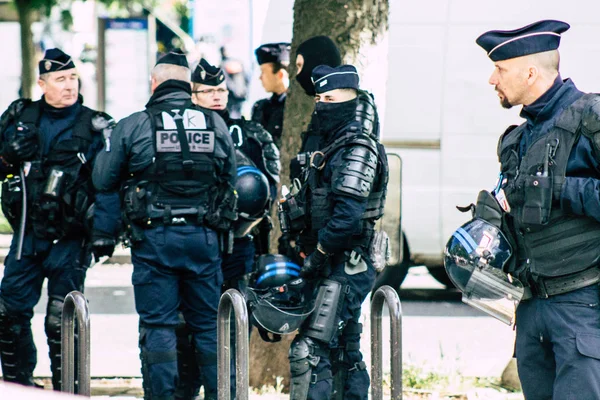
(546,287)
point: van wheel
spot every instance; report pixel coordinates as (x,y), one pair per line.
(440,275)
(392,275)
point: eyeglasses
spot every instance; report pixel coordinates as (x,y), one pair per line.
(211,92)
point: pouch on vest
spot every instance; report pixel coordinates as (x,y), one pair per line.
(223,210)
(134,202)
(538,200)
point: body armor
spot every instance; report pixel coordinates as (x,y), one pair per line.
(549,242)
(363,173)
(243,131)
(180,187)
(59,184)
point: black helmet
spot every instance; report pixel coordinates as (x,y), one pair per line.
(253,191)
(475,258)
(278,299)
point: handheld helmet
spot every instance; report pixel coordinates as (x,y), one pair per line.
(253,191)
(278,298)
(475,258)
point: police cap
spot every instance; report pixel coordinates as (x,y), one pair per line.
(55,60)
(208,74)
(174,57)
(326,78)
(273,53)
(535,38)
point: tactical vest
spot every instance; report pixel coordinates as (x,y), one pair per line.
(59,186)
(242,132)
(549,242)
(319,196)
(180,185)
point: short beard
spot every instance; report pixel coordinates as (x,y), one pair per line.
(505,103)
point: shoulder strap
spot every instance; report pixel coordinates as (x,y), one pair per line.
(571,117)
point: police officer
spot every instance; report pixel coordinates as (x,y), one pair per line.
(274,60)
(345,186)
(175,163)
(46,158)
(254,148)
(258,175)
(548,188)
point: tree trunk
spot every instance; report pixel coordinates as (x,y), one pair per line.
(356,26)
(26,16)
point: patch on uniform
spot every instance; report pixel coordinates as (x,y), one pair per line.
(192,119)
(323,83)
(167,141)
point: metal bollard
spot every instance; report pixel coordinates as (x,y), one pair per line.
(388,295)
(232,299)
(75,304)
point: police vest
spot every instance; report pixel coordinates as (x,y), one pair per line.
(549,242)
(180,185)
(365,154)
(59,186)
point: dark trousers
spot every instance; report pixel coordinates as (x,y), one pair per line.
(235,266)
(177,269)
(558,346)
(64,264)
(357,380)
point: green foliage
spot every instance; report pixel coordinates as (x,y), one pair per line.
(4,226)
(418,378)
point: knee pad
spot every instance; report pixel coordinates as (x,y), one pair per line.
(305,353)
(52,325)
(9,337)
(149,359)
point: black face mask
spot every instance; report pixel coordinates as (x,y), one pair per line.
(304,80)
(331,116)
(318,50)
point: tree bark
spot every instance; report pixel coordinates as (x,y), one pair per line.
(355,26)
(26,16)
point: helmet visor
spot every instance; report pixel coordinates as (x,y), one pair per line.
(494,292)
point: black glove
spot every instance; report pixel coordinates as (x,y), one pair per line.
(24,146)
(313,264)
(103,244)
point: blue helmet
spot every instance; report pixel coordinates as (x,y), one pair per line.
(253,191)
(278,297)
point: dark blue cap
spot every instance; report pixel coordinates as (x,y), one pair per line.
(273,52)
(208,74)
(535,38)
(326,78)
(174,57)
(55,60)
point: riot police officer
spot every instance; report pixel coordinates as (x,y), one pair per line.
(175,165)
(258,174)
(344,187)
(46,158)
(548,190)
(273,59)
